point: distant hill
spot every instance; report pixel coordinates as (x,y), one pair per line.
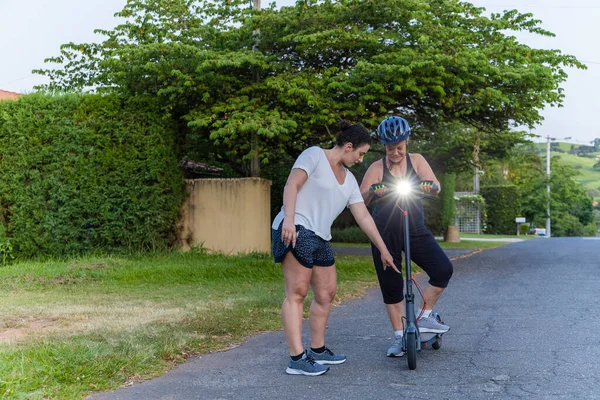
(580,157)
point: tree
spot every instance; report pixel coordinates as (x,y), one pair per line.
(456,147)
(568,199)
(567,195)
(433,61)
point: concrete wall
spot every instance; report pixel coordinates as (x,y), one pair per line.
(227,215)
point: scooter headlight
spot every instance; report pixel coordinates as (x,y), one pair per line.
(404,188)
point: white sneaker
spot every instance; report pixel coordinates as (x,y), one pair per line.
(431,325)
(395,349)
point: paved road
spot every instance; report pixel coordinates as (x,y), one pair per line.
(524,319)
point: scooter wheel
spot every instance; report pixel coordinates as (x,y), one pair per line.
(411,350)
(437,344)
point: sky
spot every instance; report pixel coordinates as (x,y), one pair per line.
(32,30)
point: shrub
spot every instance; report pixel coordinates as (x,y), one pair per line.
(349,235)
(85,172)
(502,204)
(433,216)
(448,204)
(277,173)
(523,229)
(564,224)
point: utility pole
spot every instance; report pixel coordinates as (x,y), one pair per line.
(548,187)
(254,161)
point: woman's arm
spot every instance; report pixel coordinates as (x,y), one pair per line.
(295,181)
(424,171)
(366,223)
(372,176)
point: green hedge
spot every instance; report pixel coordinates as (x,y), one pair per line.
(86,172)
(349,235)
(448,203)
(502,205)
(277,173)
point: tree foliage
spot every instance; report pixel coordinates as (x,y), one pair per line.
(456,147)
(568,197)
(448,203)
(433,61)
(502,202)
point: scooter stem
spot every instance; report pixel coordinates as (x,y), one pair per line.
(410,297)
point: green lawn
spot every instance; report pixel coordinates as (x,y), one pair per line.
(71,327)
(471,244)
(484,236)
(463,244)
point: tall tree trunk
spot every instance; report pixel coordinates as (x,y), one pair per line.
(255,162)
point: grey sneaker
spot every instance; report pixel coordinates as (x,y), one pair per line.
(327,357)
(432,325)
(395,349)
(306,366)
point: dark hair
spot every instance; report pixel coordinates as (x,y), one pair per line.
(356,134)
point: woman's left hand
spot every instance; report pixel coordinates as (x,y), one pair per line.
(426,187)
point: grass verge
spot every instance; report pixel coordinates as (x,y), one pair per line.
(96,323)
(464,244)
(484,236)
(71,327)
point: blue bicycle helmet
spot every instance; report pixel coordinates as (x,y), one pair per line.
(393,130)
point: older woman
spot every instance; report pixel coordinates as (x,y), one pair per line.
(398,164)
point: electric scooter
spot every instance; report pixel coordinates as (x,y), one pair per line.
(412,340)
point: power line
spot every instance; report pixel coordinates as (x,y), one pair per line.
(539,6)
(16,80)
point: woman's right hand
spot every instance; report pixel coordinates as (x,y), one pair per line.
(378,189)
(288,232)
(388,261)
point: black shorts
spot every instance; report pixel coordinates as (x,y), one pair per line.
(310,249)
(424,251)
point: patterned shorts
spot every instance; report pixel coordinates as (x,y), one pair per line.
(310,249)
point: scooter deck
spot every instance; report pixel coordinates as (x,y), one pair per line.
(428,339)
(427,336)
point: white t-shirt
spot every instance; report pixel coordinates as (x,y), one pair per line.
(321,199)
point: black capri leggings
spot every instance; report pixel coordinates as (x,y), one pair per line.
(424,251)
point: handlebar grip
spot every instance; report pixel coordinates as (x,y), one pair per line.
(434,186)
(376,186)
